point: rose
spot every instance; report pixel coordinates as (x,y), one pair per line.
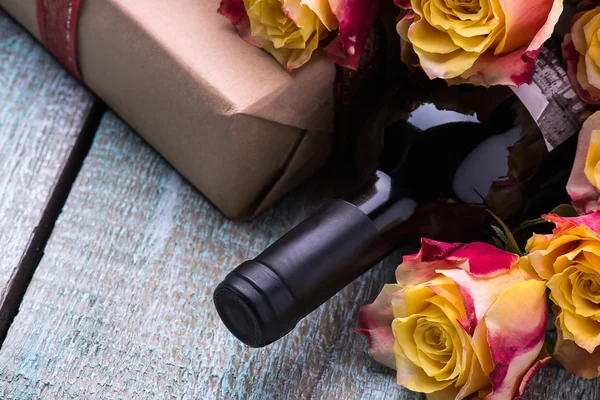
(288,29)
(584,183)
(462,321)
(569,260)
(356,19)
(484,42)
(291,30)
(582,57)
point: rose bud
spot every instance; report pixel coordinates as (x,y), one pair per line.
(569,260)
(505,197)
(461,322)
(483,42)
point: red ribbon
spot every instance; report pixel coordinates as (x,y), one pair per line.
(57,22)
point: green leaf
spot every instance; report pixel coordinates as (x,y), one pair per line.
(511,243)
(564,210)
(499,243)
(501,236)
(528,224)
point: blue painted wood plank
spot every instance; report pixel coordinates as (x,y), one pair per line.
(42,111)
(121,304)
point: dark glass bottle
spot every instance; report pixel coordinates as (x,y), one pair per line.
(435,165)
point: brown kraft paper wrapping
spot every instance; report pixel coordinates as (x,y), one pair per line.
(222,112)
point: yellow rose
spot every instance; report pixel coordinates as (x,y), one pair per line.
(485,42)
(582,54)
(584,182)
(569,260)
(291,29)
(461,322)
(288,29)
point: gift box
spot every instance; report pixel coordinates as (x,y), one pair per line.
(225,114)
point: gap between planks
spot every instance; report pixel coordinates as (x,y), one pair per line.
(33,253)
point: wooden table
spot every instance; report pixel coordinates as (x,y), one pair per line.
(108,259)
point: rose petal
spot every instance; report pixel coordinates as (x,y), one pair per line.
(578,78)
(421,267)
(527,268)
(584,75)
(574,47)
(479,294)
(413,377)
(481,349)
(522,19)
(407,52)
(593,158)
(477,380)
(356,18)
(543,358)
(575,359)
(403,4)
(584,331)
(484,260)
(574,60)
(580,20)
(590,221)
(584,194)
(516,326)
(323,11)
(450,393)
(479,259)
(569,52)
(375,322)
(235,11)
(515,68)
(449,66)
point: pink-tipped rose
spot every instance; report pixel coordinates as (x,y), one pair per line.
(462,321)
(584,183)
(484,42)
(291,30)
(581,54)
(568,260)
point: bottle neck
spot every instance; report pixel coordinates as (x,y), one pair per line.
(433,167)
(437,164)
(383,200)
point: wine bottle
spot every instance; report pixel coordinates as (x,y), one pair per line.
(435,165)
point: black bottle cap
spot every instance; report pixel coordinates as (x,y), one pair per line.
(263,299)
(254,304)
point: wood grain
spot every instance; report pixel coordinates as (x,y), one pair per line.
(121,304)
(42,112)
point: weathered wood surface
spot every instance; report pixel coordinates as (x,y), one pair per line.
(42,112)
(121,304)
